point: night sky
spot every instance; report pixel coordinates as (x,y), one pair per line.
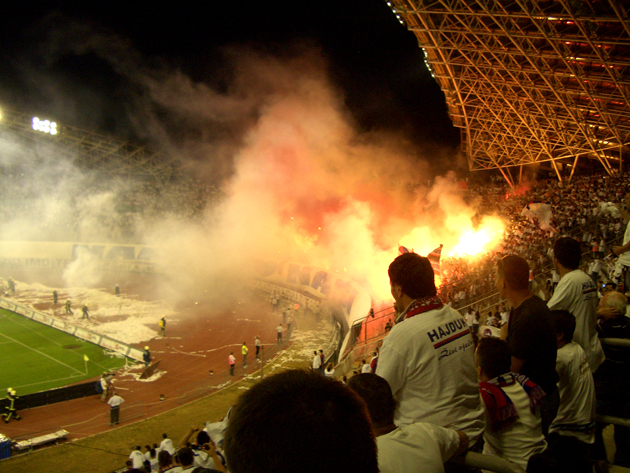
(373,59)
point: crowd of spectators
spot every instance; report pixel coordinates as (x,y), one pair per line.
(83,207)
(578,208)
(200,455)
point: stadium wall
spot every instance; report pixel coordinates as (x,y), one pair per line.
(57,255)
(350,303)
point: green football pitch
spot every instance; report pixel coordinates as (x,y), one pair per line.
(35,357)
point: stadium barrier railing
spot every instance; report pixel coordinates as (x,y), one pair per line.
(490,463)
(369,335)
(615,342)
(52,396)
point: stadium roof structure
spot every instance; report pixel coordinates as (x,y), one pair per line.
(530,81)
(91,151)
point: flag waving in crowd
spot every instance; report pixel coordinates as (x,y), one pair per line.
(402,250)
(434,258)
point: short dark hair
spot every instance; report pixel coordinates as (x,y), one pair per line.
(186,456)
(300,411)
(164,458)
(494,356)
(202,437)
(568,252)
(377,394)
(563,322)
(515,271)
(414,274)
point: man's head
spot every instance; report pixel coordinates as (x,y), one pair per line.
(412,275)
(186,456)
(492,358)
(567,252)
(299,411)
(563,323)
(609,287)
(164,458)
(203,437)
(512,274)
(616,300)
(377,394)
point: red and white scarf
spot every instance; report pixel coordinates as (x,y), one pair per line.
(418,306)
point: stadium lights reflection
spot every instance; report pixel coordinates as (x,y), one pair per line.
(45,126)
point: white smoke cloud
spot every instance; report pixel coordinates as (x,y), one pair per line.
(83,271)
(300,182)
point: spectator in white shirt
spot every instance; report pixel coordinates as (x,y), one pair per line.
(576,415)
(167,444)
(513,428)
(406,448)
(317,362)
(137,458)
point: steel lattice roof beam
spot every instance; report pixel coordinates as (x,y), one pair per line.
(530,81)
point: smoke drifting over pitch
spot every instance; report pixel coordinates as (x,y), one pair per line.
(299,182)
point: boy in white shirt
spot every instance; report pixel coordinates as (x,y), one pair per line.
(576,415)
(406,448)
(513,429)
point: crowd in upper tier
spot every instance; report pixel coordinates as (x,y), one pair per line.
(578,208)
(87,208)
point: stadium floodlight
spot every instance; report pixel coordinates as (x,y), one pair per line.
(45,126)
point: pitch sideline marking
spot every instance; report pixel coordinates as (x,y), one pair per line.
(16,322)
(43,354)
(44,382)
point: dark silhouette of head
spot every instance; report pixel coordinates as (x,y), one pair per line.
(414,274)
(324,424)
